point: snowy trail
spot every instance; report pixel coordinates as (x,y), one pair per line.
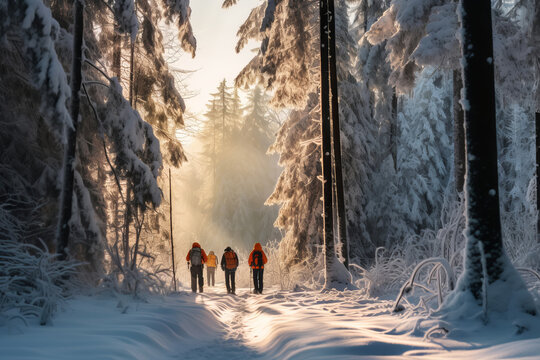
(278,325)
(312,325)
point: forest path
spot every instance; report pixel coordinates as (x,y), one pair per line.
(308,325)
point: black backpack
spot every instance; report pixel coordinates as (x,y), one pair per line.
(195,256)
(257,259)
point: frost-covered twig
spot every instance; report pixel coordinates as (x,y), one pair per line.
(409,284)
(32,281)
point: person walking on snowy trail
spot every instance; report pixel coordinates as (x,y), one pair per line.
(229,263)
(211,266)
(256,260)
(196,257)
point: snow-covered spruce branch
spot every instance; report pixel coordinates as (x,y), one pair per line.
(180,10)
(440,263)
(126,17)
(102,135)
(39,31)
(137,151)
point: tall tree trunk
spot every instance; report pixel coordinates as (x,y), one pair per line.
(537,118)
(129,211)
(459,133)
(482,195)
(66,199)
(394,128)
(171,224)
(326,151)
(336,136)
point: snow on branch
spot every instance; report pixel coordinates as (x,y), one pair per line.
(38,30)
(126,17)
(137,149)
(404,25)
(181,10)
(228,3)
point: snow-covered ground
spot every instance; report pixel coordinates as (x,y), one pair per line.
(275,325)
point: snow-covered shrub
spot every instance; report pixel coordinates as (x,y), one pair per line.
(33,283)
(385,275)
(393,267)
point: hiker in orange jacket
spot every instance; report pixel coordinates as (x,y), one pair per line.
(211,266)
(196,257)
(256,260)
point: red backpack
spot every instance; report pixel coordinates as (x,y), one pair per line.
(231,260)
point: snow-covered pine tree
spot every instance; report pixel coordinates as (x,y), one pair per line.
(424,156)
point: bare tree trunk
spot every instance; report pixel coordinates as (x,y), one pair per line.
(336,136)
(66,199)
(171,223)
(394,128)
(459,133)
(482,195)
(537,118)
(326,151)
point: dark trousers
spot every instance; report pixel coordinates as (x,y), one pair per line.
(229,280)
(197,272)
(210,275)
(258,280)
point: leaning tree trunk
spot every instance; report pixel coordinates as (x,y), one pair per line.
(326,151)
(66,199)
(336,136)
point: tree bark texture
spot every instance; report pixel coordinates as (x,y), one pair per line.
(482,211)
(326,151)
(537,118)
(66,198)
(336,136)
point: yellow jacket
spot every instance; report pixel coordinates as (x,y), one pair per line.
(212,260)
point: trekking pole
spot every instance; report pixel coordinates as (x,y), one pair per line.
(250,277)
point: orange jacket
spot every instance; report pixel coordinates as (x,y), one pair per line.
(204,258)
(257,247)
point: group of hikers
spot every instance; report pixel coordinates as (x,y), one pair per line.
(197,258)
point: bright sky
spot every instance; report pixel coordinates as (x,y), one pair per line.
(215,29)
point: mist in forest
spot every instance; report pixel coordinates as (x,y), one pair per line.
(220,193)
